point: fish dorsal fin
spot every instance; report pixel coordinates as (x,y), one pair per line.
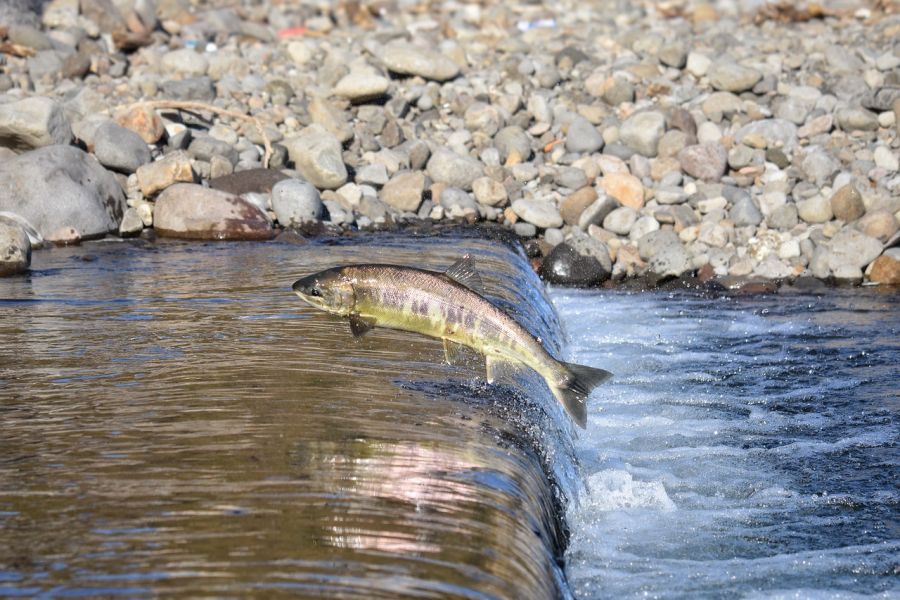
(360,325)
(463,271)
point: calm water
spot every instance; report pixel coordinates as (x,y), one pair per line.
(747,447)
(175,421)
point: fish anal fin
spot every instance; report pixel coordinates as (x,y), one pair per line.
(454,353)
(463,271)
(496,367)
(360,325)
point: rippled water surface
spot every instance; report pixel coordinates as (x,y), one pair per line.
(175,421)
(748,447)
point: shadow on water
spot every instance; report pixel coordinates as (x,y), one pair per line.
(176,421)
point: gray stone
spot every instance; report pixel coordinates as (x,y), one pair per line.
(204,147)
(375,175)
(783,218)
(570,177)
(856,119)
(704,161)
(597,212)
(621,220)
(120,149)
(296,202)
(131,224)
(587,245)
(191,88)
(15,249)
(483,117)
(643,226)
(458,202)
(404,190)
(513,140)
(665,255)
(407,59)
(489,192)
(642,131)
(744,212)
(362,86)
(60,187)
(732,77)
(33,123)
(583,137)
(454,169)
(816,209)
(775,133)
(887,159)
(819,166)
(317,156)
(539,212)
(851,247)
(186,62)
(771,267)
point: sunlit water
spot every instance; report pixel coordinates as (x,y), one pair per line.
(747,448)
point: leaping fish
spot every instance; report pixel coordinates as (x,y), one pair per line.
(449,306)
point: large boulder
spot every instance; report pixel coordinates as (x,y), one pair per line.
(58,188)
(191,211)
(32,123)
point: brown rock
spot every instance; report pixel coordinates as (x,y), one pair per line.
(847,203)
(572,207)
(885,270)
(144,121)
(260,181)
(191,211)
(625,188)
(704,161)
(404,191)
(879,224)
(157,176)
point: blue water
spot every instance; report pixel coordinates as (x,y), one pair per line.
(747,448)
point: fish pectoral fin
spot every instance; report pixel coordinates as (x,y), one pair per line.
(360,325)
(454,353)
(495,367)
(463,271)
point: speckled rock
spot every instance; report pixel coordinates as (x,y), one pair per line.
(704,161)
(191,211)
(15,249)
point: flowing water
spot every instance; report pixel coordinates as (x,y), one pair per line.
(176,421)
(173,421)
(748,447)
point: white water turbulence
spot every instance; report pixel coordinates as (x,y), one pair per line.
(746,447)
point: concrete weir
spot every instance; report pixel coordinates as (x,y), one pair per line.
(215,421)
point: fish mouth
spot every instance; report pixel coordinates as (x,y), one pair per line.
(304,285)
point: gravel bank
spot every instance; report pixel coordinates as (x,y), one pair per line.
(652,140)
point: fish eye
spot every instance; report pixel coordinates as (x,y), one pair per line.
(315,292)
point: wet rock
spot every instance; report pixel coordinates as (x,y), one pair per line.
(847,203)
(539,212)
(15,249)
(120,149)
(704,161)
(407,59)
(454,169)
(625,188)
(404,190)
(191,211)
(317,156)
(296,202)
(566,266)
(642,131)
(57,187)
(171,169)
(582,137)
(33,123)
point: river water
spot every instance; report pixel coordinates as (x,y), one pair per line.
(176,422)
(748,447)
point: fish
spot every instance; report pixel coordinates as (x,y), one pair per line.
(450,306)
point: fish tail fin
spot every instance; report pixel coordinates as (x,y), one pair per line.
(573,393)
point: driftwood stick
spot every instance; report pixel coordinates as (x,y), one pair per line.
(203,106)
